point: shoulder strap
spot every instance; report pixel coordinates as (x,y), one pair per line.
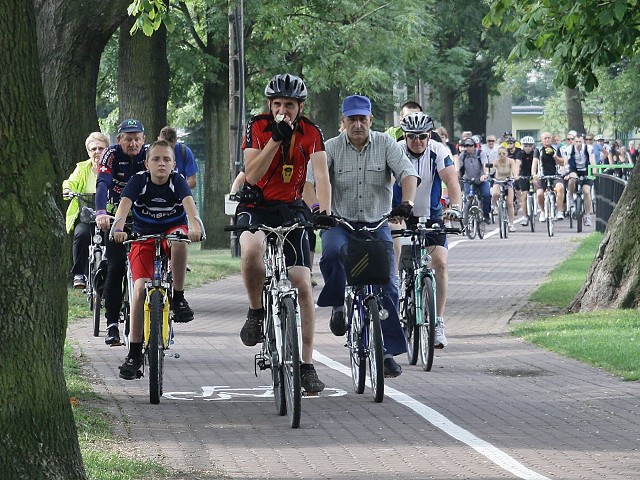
(183,150)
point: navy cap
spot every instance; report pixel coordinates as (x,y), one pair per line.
(356,105)
(468,142)
(129,126)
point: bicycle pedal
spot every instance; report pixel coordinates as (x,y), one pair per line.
(139,374)
(173,354)
(310,394)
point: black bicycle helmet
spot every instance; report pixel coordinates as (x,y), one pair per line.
(287,86)
(417,122)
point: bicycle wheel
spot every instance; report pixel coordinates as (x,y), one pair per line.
(531,212)
(548,211)
(376,359)
(290,363)
(356,354)
(481,225)
(502,219)
(428,328)
(155,350)
(470,219)
(408,318)
(97,305)
(579,213)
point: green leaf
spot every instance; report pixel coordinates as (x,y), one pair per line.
(147,29)
(620,9)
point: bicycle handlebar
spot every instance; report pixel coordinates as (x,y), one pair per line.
(435,228)
(282,229)
(346,223)
(173,237)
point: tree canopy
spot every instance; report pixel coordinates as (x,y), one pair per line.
(577,36)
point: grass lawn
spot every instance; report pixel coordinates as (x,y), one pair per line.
(609,339)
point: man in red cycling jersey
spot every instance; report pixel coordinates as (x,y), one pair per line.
(278,145)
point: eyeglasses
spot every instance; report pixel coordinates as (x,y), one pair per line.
(415,136)
(96,149)
(509,143)
(570,138)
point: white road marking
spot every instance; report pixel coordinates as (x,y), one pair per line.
(438,420)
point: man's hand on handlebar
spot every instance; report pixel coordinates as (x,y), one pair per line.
(452,213)
(323,220)
(402,211)
(120,237)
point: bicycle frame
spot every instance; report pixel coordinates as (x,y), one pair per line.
(472,212)
(549,202)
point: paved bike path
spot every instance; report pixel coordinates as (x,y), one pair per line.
(493,406)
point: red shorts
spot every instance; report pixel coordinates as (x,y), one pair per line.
(142,254)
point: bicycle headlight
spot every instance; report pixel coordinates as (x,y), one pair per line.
(284,285)
(425,260)
(384,314)
(97,239)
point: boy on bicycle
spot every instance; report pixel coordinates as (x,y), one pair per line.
(162,203)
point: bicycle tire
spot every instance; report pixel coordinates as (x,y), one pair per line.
(97,304)
(290,364)
(531,211)
(356,350)
(572,215)
(481,225)
(155,349)
(277,374)
(428,328)
(548,211)
(411,331)
(579,213)
(376,358)
(502,219)
(470,219)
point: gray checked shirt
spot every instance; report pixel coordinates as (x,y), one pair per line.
(361,183)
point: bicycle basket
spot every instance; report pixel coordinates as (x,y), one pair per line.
(367,261)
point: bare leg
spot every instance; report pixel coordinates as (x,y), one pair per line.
(252,266)
(439,257)
(300,279)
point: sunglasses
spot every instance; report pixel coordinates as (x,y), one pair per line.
(491,141)
(589,139)
(415,136)
(569,138)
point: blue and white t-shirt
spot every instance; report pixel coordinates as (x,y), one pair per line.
(157,208)
(434,159)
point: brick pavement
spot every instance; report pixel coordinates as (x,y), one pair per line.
(557,417)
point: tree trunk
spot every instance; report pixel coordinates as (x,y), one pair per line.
(326,111)
(613,280)
(143,78)
(217,169)
(446,110)
(575,118)
(38,438)
(474,118)
(71,38)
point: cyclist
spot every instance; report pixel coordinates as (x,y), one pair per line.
(524,160)
(119,162)
(185,161)
(473,166)
(506,167)
(579,161)
(278,144)
(364,196)
(546,161)
(434,164)
(407,107)
(161,202)
(82,180)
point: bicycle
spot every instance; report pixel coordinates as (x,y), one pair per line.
(282,334)
(158,323)
(503,212)
(367,263)
(418,291)
(577,210)
(532,205)
(473,218)
(549,201)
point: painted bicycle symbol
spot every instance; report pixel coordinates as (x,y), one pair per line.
(225,392)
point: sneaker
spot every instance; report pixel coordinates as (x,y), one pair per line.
(587,221)
(251,332)
(487,218)
(130,369)
(525,222)
(309,379)
(182,312)
(337,324)
(560,216)
(113,335)
(542,218)
(79,281)
(391,368)
(512,228)
(440,340)
(314,282)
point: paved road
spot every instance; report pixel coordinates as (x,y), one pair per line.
(493,407)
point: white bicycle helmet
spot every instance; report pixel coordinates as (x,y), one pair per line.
(527,141)
(417,122)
